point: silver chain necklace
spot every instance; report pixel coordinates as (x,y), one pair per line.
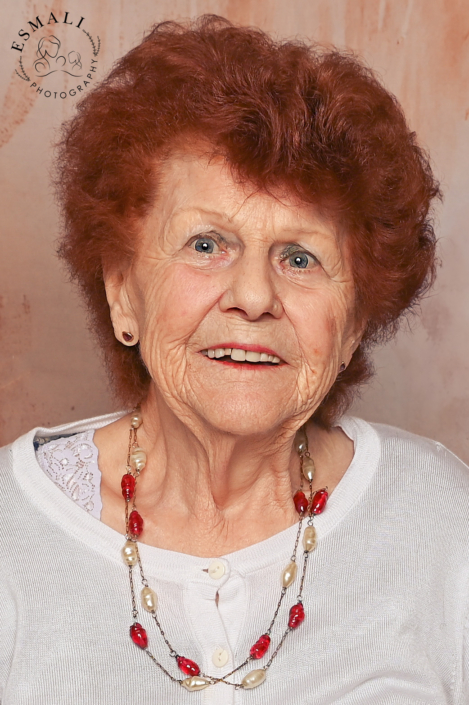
(195,679)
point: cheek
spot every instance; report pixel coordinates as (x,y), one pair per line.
(320,321)
(174,304)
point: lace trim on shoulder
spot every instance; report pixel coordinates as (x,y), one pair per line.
(71,463)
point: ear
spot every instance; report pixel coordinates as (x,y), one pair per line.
(122,314)
(354,341)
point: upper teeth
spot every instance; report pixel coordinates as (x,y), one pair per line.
(241,355)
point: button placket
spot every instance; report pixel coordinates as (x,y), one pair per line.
(200,599)
(217,569)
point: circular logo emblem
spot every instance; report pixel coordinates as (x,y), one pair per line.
(57,55)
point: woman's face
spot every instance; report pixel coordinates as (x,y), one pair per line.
(223,268)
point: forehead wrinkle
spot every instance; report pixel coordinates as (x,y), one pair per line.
(267,214)
(236,194)
(279,213)
(208,212)
(234,205)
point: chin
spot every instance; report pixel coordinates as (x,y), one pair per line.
(239,418)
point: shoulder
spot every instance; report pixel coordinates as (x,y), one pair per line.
(18,458)
(422,481)
(43,434)
(421,475)
(400,449)
(6,459)
(411,451)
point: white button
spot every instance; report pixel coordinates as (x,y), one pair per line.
(220,657)
(216,569)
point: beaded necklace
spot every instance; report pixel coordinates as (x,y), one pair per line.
(196,680)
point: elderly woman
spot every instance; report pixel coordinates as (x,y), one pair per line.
(246,219)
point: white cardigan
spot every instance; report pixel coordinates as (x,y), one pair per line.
(386,595)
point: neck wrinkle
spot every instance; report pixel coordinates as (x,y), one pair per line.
(206,470)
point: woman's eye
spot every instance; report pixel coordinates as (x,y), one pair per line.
(299,259)
(205,245)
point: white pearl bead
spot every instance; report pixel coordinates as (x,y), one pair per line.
(310,540)
(138,458)
(129,553)
(195,683)
(301,446)
(308,468)
(254,678)
(149,599)
(301,441)
(136,420)
(289,574)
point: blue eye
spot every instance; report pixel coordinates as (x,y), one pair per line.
(299,260)
(205,245)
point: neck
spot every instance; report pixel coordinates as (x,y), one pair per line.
(204,491)
(204,463)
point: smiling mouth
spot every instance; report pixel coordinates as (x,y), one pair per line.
(239,355)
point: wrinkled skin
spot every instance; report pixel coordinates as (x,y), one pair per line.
(221,265)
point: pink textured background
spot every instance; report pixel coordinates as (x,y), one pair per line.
(50,370)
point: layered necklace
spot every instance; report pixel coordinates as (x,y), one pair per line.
(306,506)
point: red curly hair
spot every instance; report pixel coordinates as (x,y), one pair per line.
(283,113)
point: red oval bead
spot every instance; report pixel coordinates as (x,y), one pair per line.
(297,615)
(128,486)
(139,635)
(135,523)
(301,503)
(319,501)
(259,649)
(190,668)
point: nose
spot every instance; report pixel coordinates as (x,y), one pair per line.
(251,290)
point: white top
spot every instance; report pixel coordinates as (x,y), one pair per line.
(386,595)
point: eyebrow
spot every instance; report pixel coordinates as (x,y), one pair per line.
(328,230)
(225,216)
(210,213)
